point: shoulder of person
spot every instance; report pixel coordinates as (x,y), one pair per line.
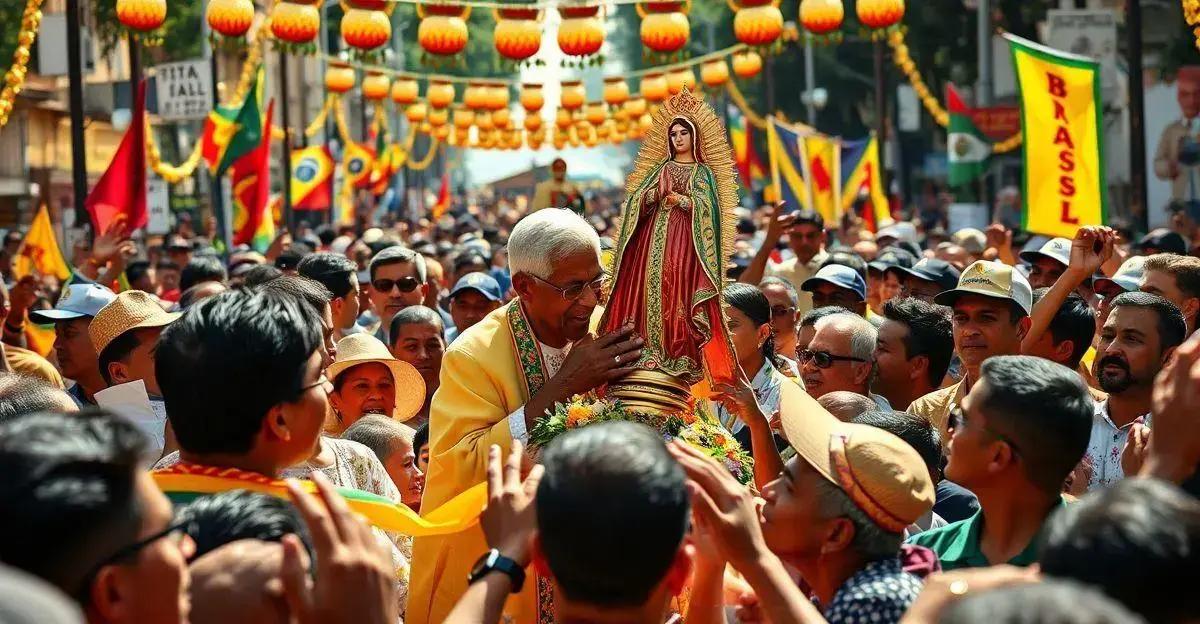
(940,538)
(934,399)
(482,340)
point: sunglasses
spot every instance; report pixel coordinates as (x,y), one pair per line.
(958,421)
(778,311)
(405,284)
(824,359)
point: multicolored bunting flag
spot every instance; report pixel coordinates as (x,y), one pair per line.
(751,171)
(232,132)
(122,187)
(251,182)
(823,171)
(968,149)
(787,165)
(358,160)
(443,199)
(311,186)
(383,168)
(39,253)
(1063,143)
(863,180)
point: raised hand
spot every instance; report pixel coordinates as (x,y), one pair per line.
(1092,247)
(111,243)
(1174,449)
(510,519)
(780,221)
(22,295)
(739,398)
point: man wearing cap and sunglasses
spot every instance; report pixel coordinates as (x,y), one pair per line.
(398,280)
(73,348)
(474,296)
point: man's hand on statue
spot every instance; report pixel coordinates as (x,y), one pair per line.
(510,520)
(595,361)
(779,221)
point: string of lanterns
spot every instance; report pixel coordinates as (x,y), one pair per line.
(14,78)
(1191,13)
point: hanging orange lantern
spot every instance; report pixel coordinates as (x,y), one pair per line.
(879,14)
(562,119)
(573,95)
(616,91)
(581,32)
(757,22)
(532,99)
(646,122)
(295,23)
(483,120)
(230,18)
(502,118)
(821,16)
(714,73)
(439,117)
(497,97)
(475,96)
(533,122)
(439,93)
(405,91)
(143,15)
(366,29)
(604,129)
(635,107)
(443,30)
(665,27)
(680,79)
(375,86)
(655,87)
(441,132)
(596,113)
(339,78)
(747,64)
(416,113)
(462,137)
(463,117)
(518,34)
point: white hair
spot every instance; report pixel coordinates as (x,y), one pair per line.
(863,334)
(544,237)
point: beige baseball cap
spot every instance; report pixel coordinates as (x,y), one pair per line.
(991,279)
(132,309)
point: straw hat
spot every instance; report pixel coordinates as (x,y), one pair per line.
(358,349)
(132,309)
(882,474)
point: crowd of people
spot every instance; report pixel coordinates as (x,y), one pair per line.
(964,427)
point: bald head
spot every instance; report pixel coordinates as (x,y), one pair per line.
(846,406)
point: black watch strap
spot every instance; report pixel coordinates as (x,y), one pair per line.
(493,561)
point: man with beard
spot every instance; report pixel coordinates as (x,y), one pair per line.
(1138,338)
(498,379)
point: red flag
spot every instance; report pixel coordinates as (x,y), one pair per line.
(122,188)
(251,181)
(443,201)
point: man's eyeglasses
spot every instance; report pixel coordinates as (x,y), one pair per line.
(405,284)
(958,420)
(824,359)
(175,531)
(575,291)
(778,311)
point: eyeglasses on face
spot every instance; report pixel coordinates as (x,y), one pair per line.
(779,311)
(824,359)
(575,291)
(958,421)
(175,531)
(405,284)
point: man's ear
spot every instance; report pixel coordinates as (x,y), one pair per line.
(275,425)
(523,284)
(918,367)
(680,572)
(1190,307)
(108,596)
(118,373)
(839,537)
(1063,350)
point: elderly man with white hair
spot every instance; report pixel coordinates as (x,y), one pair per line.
(498,379)
(841,357)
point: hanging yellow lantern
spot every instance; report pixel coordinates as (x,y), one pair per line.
(680,79)
(375,86)
(441,132)
(443,30)
(518,33)
(143,15)
(646,122)
(230,18)
(747,64)
(532,99)
(439,93)
(604,129)
(366,29)
(581,33)
(439,117)
(425,127)
(405,91)
(879,14)
(665,27)
(295,23)
(483,120)
(635,107)
(562,119)
(475,96)
(596,113)
(339,78)
(573,95)
(462,137)
(533,122)
(463,117)
(416,112)
(502,118)
(655,87)
(616,91)
(616,138)
(757,22)
(560,142)
(821,16)
(497,97)
(714,73)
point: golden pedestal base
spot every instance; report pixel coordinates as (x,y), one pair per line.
(653,392)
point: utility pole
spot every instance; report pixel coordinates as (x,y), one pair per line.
(285,157)
(880,107)
(1137,115)
(79,185)
(810,79)
(984,88)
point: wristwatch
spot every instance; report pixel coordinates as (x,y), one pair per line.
(493,561)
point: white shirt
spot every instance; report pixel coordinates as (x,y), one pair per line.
(766,390)
(1105,447)
(554,359)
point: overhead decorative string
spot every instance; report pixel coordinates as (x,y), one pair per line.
(14,78)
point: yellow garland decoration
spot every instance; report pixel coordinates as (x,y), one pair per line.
(313,128)
(905,63)
(756,120)
(14,78)
(339,119)
(424,163)
(1191,13)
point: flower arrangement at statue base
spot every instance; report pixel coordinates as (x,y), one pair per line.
(695,426)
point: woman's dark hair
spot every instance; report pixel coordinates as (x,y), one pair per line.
(751,301)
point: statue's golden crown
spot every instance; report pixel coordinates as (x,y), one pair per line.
(684,103)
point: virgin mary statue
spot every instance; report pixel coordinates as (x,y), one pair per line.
(675,238)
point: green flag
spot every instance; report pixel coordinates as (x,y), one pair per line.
(248,127)
(968,149)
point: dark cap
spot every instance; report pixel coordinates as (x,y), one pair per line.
(933,270)
(1164,241)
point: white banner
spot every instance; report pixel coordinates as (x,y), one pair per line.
(184,90)
(158,206)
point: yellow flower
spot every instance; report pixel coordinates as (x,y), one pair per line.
(578,415)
